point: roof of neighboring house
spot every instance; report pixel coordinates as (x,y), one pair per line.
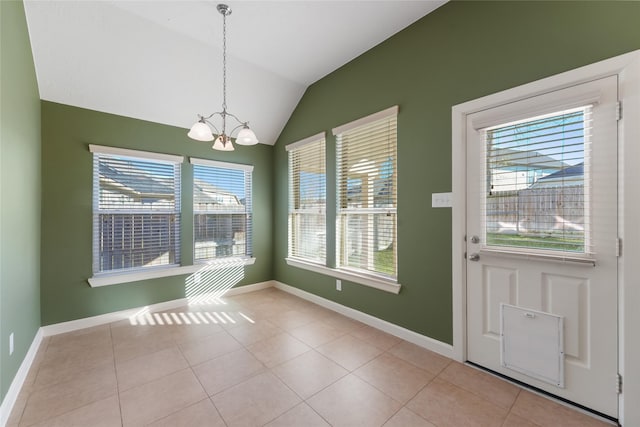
(518,160)
(207,193)
(569,174)
(140,184)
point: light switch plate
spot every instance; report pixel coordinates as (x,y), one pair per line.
(441,200)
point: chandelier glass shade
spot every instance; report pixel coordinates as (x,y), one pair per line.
(204,129)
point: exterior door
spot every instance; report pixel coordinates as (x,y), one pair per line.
(542,239)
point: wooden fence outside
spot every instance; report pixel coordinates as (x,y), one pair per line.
(538,211)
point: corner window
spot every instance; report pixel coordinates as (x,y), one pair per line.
(366,194)
(222,210)
(136,209)
(307,199)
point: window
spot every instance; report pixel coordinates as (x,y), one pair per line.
(136,209)
(221,210)
(307,199)
(537,168)
(366,194)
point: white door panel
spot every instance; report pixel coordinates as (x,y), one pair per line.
(578,284)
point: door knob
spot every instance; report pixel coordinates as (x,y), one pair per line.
(475,239)
(474,257)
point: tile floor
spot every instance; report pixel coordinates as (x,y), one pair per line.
(264,358)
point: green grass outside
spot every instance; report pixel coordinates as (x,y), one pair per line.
(564,243)
(384,261)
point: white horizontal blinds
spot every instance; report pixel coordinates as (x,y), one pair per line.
(367,189)
(307,200)
(136,212)
(222,223)
(538,184)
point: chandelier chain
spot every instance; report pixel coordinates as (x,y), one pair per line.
(224,62)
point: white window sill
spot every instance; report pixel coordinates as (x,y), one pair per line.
(374,282)
(155,273)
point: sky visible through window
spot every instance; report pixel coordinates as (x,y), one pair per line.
(559,136)
(225,179)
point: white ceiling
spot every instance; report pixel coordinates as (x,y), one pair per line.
(162,60)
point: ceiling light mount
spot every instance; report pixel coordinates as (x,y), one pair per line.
(224,9)
(204,128)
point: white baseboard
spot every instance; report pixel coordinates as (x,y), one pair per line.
(87,322)
(390,328)
(18,381)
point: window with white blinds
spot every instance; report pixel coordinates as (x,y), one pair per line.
(307,199)
(222,209)
(537,173)
(136,209)
(366,194)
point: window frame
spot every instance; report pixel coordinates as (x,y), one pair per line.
(550,113)
(342,189)
(294,191)
(118,274)
(248,209)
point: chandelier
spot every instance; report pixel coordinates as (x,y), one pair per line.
(204,129)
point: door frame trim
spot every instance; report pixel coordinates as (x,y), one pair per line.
(627,68)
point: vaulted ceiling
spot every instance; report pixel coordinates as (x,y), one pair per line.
(162,60)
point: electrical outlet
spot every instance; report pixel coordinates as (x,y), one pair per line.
(11,344)
(338,285)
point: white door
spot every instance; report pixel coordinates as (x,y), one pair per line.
(542,236)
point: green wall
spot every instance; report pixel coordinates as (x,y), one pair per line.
(67,209)
(462,51)
(19,192)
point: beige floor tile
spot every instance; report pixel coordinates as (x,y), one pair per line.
(18,408)
(495,390)
(63,365)
(516,421)
(197,323)
(343,323)
(97,335)
(375,337)
(277,349)
(93,385)
(142,345)
(349,352)
(255,401)
(252,333)
(316,333)
(235,318)
(201,414)
(301,415)
(251,298)
(141,370)
(123,331)
(446,405)
(103,413)
(269,309)
(547,413)
(407,418)
(192,333)
(309,373)
(157,399)
(352,402)
(291,319)
(226,371)
(395,377)
(421,357)
(29,382)
(218,344)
